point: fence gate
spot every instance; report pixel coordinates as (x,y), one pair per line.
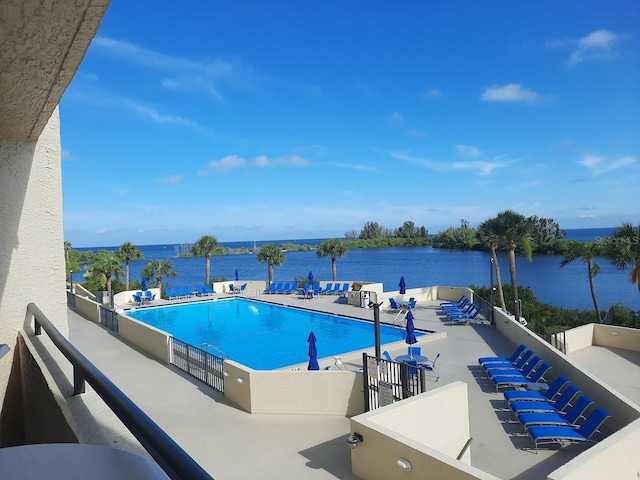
(386,382)
(198,363)
(109,318)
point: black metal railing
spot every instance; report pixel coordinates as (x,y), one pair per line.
(198,363)
(487,308)
(71,300)
(390,382)
(109,318)
(176,463)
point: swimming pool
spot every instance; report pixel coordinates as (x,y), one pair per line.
(263,336)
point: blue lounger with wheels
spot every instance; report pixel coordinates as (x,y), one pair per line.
(544,434)
(568,419)
(514,356)
(533,396)
(519,363)
(511,381)
(552,407)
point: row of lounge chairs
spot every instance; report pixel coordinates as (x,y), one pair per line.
(186,292)
(554,416)
(464,310)
(315,290)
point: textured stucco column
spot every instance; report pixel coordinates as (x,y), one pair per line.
(32,265)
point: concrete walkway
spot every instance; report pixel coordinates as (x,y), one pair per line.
(225,441)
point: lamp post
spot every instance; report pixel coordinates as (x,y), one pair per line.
(71,280)
(491,287)
(376,326)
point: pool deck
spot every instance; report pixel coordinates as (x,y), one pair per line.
(232,444)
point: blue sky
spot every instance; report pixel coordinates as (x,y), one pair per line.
(253,120)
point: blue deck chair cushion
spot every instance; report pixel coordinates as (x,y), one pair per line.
(514,356)
(568,419)
(558,406)
(533,396)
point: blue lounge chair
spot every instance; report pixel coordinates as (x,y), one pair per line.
(514,356)
(327,289)
(278,287)
(519,363)
(568,419)
(532,396)
(559,405)
(510,381)
(387,356)
(522,369)
(465,304)
(243,288)
(466,318)
(335,291)
(468,310)
(148,296)
(344,289)
(430,367)
(208,290)
(394,307)
(170,294)
(137,299)
(544,434)
(271,288)
(459,303)
(200,291)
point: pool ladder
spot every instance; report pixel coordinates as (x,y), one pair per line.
(208,345)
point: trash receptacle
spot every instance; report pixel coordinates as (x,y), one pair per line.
(364,297)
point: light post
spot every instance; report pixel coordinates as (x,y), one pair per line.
(491,287)
(376,326)
(71,280)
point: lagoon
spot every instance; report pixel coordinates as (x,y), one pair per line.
(421,266)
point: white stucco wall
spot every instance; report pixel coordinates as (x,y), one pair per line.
(31,235)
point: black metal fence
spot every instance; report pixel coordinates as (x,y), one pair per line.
(71,300)
(109,318)
(198,363)
(487,308)
(168,454)
(386,382)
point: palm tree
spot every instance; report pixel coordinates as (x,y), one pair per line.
(206,246)
(623,249)
(128,251)
(106,264)
(158,269)
(67,249)
(489,233)
(587,252)
(515,231)
(335,248)
(272,255)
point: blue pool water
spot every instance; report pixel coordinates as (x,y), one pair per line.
(264,336)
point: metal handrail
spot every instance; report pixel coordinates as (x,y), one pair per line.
(176,463)
(465,448)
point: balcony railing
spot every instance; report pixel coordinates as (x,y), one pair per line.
(176,463)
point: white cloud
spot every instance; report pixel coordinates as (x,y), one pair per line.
(233,161)
(468,150)
(152,113)
(597,45)
(66,155)
(396,117)
(224,164)
(171,180)
(433,93)
(600,164)
(185,74)
(479,167)
(512,92)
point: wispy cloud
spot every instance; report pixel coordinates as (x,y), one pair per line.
(414,132)
(397,117)
(482,167)
(66,155)
(600,164)
(152,113)
(433,93)
(179,73)
(233,161)
(171,180)
(352,166)
(597,45)
(468,150)
(512,92)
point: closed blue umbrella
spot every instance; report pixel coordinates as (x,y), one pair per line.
(237,275)
(144,284)
(310,277)
(403,286)
(411,336)
(313,353)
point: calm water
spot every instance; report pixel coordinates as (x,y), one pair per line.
(264,336)
(421,266)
